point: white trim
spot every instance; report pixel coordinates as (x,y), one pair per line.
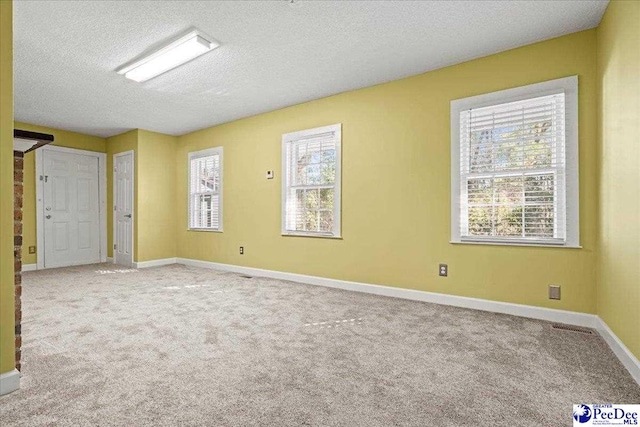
(541,313)
(39,212)
(133,200)
(619,349)
(154,263)
(9,382)
(102,174)
(29,267)
(219,151)
(110,260)
(287,138)
(516,243)
(566,85)
(102,189)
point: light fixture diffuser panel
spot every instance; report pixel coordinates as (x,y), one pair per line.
(169,57)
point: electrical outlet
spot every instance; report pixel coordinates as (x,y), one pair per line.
(554,291)
(270,175)
(241,250)
(443,270)
(32,249)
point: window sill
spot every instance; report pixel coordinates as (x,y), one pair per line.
(206,230)
(502,243)
(317,236)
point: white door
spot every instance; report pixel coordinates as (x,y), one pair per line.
(71,202)
(123,208)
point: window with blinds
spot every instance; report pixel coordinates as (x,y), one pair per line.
(311,182)
(512,173)
(205,190)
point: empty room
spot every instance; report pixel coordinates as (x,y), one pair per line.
(320,213)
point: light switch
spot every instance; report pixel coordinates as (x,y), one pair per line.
(269,174)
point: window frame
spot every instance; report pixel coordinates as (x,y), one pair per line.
(337,184)
(566,85)
(198,155)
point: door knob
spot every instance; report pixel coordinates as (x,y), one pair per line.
(127,216)
(48,216)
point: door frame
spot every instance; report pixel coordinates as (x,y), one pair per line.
(133,200)
(102,194)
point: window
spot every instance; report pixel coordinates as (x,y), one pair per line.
(514,160)
(311,182)
(205,190)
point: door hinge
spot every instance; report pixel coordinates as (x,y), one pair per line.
(114,246)
(115,207)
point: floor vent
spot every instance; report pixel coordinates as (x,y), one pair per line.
(572,328)
(246,277)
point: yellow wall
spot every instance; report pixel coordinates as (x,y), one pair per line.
(156,195)
(619,152)
(117,144)
(155,166)
(154,192)
(396,189)
(7,322)
(62,138)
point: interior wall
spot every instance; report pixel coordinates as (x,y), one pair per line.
(154,214)
(62,138)
(155,167)
(396,187)
(156,187)
(7,321)
(618,283)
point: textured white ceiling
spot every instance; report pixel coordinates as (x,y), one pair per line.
(272,54)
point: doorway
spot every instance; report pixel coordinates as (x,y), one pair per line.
(123,180)
(70,206)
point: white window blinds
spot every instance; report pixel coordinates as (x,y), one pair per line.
(205,189)
(311,184)
(512,171)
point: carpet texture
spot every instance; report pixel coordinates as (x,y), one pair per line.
(184,346)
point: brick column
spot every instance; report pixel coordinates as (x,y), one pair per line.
(18,164)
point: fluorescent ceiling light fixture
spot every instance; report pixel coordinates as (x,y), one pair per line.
(168,57)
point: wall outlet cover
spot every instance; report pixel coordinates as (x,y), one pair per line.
(554,292)
(443,270)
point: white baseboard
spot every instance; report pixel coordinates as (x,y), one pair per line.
(154,263)
(9,382)
(29,267)
(619,349)
(549,314)
(34,267)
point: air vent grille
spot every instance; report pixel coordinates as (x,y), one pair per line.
(559,326)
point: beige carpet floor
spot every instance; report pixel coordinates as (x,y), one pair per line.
(181,346)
